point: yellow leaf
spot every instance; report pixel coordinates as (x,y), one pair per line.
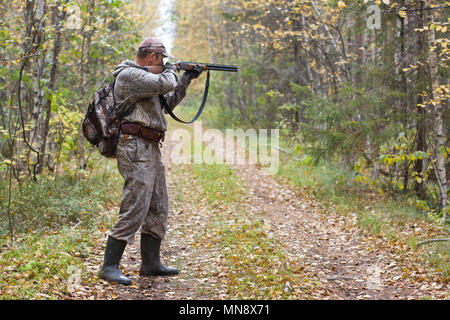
(341,4)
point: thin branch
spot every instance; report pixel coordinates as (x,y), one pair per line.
(8,212)
(22,121)
(432,240)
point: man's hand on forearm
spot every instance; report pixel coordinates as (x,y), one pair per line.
(195,72)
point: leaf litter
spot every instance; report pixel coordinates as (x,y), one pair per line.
(324,255)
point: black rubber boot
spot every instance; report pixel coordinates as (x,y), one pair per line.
(110,270)
(151,264)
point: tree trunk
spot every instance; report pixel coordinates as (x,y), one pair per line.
(439,130)
(58,16)
(420,139)
(36,137)
(87,34)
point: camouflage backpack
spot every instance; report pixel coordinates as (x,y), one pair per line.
(102,120)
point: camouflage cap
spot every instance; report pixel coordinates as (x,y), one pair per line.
(154,45)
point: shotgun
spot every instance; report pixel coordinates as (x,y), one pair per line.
(184,65)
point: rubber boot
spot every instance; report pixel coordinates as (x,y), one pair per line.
(110,270)
(151,264)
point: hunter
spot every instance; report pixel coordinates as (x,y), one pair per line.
(141,85)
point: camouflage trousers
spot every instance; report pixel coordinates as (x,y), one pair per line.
(145,201)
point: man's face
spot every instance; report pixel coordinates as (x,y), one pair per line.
(155,59)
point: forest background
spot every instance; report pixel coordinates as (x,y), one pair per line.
(358,89)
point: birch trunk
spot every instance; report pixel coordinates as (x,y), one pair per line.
(58,16)
(36,138)
(87,34)
(439,130)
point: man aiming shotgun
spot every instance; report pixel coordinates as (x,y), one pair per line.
(149,89)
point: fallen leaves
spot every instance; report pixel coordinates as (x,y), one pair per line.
(258,239)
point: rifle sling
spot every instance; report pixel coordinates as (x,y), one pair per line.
(169,111)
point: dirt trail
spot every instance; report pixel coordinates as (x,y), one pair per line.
(345,263)
(348,264)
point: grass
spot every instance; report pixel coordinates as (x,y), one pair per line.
(438,255)
(55,223)
(52,202)
(39,266)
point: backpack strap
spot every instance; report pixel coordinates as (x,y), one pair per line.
(120,115)
(130,109)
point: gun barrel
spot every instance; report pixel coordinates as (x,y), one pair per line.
(219,67)
(183,65)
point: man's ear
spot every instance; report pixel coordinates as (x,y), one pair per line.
(149,58)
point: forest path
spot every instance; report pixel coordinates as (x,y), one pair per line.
(340,260)
(348,263)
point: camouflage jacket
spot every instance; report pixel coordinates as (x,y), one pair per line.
(134,85)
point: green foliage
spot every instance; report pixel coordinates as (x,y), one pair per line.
(55,220)
(308,70)
(62,194)
(53,202)
(39,265)
(438,255)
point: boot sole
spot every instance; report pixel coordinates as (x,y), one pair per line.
(155,274)
(123,282)
(118,282)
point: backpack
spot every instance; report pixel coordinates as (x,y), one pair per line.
(101,122)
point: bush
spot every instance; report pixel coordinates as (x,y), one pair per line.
(50,203)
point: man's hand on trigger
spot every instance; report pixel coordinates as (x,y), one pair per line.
(195,72)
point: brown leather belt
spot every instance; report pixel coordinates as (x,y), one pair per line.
(142,132)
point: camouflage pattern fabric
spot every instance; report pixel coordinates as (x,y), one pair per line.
(137,86)
(145,201)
